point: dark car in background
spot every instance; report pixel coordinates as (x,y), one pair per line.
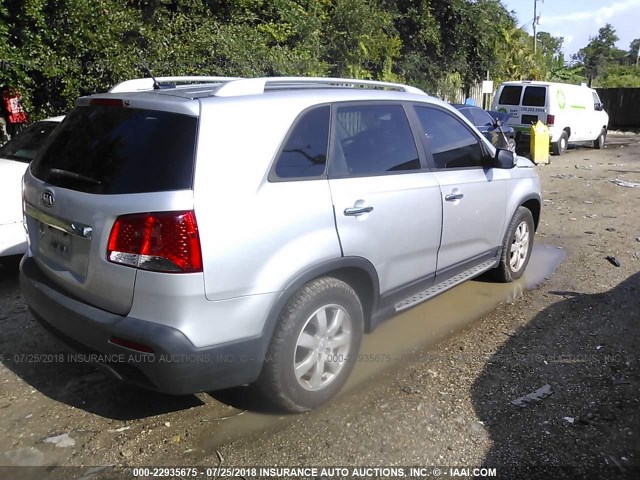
(493,125)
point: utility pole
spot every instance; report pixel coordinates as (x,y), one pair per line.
(535,24)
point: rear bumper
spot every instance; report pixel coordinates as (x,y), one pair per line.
(176,366)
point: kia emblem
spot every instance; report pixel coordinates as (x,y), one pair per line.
(48,198)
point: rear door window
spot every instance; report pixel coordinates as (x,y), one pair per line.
(304,153)
(467,114)
(510,95)
(534,96)
(482,118)
(373,140)
(116,150)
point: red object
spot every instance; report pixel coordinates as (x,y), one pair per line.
(106,102)
(13,105)
(550,120)
(162,242)
(131,345)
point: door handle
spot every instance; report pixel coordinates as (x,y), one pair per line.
(452,197)
(355,211)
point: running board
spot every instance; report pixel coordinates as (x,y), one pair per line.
(445,285)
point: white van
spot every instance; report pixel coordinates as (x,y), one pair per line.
(573,113)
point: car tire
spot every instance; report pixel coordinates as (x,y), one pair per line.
(516,247)
(311,352)
(600,141)
(560,147)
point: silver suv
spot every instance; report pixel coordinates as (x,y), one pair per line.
(195,234)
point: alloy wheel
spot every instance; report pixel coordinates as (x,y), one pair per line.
(322,347)
(519,247)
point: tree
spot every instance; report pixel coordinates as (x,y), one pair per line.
(550,54)
(634,53)
(446,44)
(484,45)
(360,40)
(600,52)
(518,60)
(57,50)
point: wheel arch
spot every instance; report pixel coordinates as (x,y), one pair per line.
(533,204)
(358,272)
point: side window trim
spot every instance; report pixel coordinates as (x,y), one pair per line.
(273,177)
(419,135)
(334,170)
(429,155)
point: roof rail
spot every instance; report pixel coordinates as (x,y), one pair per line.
(256,86)
(143,84)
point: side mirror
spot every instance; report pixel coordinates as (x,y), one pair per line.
(504,159)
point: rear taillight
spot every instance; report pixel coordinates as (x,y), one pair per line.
(550,120)
(161,242)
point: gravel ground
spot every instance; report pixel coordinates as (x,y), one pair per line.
(444,399)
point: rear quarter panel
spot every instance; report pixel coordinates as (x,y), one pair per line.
(255,234)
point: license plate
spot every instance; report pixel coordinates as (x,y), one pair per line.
(55,243)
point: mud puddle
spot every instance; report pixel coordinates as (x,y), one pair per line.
(415,330)
(426,324)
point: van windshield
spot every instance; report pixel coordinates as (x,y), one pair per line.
(111,150)
(510,95)
(534,96)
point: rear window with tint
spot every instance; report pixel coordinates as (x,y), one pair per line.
(534,96)
(467,113)
(510,95)
(305,151)
(112,150)
(481,118)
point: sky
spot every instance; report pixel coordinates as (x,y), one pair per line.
(576,21)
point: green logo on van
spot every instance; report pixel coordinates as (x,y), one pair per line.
(503,110)
(561,99)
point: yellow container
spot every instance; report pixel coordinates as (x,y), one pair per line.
(539,143)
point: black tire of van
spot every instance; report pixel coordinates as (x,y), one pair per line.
(600,141)
(559,147)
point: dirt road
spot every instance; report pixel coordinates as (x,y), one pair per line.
(438,387)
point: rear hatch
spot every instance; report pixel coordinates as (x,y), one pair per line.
(525,104)
(110,157)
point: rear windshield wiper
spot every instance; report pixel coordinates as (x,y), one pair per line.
(66,173)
